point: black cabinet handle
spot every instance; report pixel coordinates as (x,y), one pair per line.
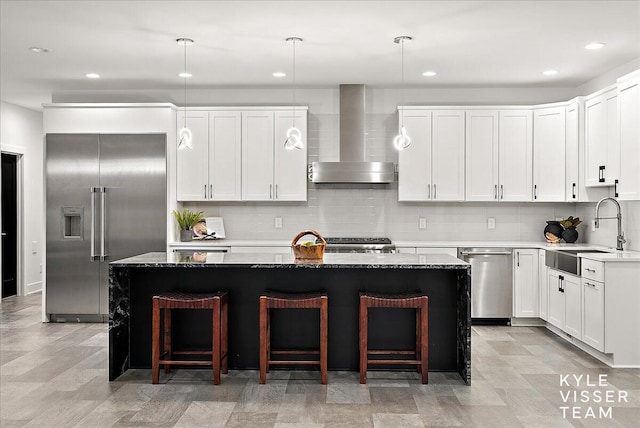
(601,173)
(615,188)
(573,190)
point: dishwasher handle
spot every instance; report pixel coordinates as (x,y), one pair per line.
(496,253)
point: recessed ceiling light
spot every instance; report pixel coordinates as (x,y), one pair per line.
(594,45)
(429,73)
(38,49)
(550,72)
(279,74)
(92,75)
(185,74)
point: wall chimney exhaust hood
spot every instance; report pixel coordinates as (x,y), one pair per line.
(353,167)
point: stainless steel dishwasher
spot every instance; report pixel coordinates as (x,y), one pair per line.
(491,283)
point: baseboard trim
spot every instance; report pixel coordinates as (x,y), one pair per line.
(34,287)
(605,358)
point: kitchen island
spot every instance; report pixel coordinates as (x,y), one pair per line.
(446,280)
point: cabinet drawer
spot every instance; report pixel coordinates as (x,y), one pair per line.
(592,269)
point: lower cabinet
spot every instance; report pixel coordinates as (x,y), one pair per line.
(593,313)
(565,302)
(526,302)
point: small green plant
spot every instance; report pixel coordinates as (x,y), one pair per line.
(570,222)
(187,218)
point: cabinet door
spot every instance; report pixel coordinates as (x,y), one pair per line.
(572,135)
(414,162)
(556,299)
(593,313)
(192,171)
(629,117)
(515,147)
(447,151)
(257,155)
(543,286)
(482,155)
(525,284)
(225,151)
(549,166)
(602,157)
(290,166)
(573,306)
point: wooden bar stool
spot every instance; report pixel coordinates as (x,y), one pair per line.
(276,300)
(417,301)
(218,303)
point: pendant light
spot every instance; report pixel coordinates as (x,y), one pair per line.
(402,140)
(185,136)
(294,136)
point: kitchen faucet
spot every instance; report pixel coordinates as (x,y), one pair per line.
(620,238)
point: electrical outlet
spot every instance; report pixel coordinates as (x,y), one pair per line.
(422,223)
(593,225)
(278,223)
(40,267)
(491,223)
(34,247)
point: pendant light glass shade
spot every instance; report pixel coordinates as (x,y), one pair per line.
(185,137)
(402,140)
(294,136)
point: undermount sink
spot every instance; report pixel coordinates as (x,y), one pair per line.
(579,251)
(566,260)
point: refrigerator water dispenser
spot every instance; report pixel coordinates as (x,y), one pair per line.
(72,222)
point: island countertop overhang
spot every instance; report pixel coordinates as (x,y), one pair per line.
(188,259)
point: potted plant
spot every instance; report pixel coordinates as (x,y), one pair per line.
(570,234)
(186,220)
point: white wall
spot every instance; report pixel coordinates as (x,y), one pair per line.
(21,132)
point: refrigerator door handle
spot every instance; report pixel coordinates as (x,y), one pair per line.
(103,223)
(93,191)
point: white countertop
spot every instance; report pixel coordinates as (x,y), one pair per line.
(610,256)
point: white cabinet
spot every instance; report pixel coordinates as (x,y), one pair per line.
(572,305)
(432,167)
(602,145)
(572,147)
(565,302)
(526,301)
(499,146)
(549,167)
(628,187)
(482,155)
(593,313)
(515,140)
(269,171)
(225,156)
(193,164)
(543,288)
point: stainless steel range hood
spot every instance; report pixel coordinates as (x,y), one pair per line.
(353,167)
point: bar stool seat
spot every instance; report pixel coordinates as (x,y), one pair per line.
(418,301)
(279,300)
(218,303)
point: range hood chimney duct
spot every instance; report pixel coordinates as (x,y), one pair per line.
(353,166)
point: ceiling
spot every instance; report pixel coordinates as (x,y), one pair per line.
(131,44)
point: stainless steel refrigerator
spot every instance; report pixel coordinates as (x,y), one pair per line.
(106,200)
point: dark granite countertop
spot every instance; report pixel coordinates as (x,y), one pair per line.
(256,260)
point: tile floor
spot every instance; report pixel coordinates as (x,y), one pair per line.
(55,375)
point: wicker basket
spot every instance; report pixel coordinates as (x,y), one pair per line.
(308,252)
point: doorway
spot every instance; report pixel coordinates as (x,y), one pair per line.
(9,225)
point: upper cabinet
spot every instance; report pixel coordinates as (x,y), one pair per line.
(432,167)
(499,155)
(549,161)
(602,144)
(271,172)
(572,147)
(240,155)
(515,141)
(628,187)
